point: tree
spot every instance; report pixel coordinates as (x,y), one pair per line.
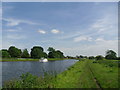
(59,54)
(110,54)
(37,52)
(55,53)
(99,57)
(5,53)
(91,57)
(25,54)
(45,55)
(118,58)
(51,49)
(77,56)
(14,52)
(51,55)
(81,56)
(84,56)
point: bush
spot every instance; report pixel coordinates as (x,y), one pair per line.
(99,57)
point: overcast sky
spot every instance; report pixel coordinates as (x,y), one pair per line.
(84,28)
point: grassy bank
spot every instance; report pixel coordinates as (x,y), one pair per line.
(83,74)
(15,59)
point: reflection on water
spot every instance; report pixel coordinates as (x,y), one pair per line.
(11,70)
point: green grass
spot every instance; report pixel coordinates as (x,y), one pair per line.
(83,74)
(106,73)
(15,59)
(77,76)
(30,81)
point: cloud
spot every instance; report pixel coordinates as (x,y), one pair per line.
(42,31)
(55,31)
(82,38)
(15,22)
(104,25)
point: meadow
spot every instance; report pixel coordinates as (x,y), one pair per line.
(83,74)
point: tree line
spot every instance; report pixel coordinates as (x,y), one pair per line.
(110,54)
(36,53)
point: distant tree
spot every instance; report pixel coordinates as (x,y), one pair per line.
(77,56)
(84,56)
(5,53)
(91,57)
(14,52)
(55,54)
(99,57)
(81,56)
(59,54)
(0,53)
(45,55)
(25,54)
(110,54)
(51,55)
(51,49)
(37,52)
(118,58)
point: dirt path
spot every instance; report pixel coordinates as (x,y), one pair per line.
(95,80)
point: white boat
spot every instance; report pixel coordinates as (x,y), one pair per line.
(43,60)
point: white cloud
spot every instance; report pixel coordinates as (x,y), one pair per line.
(55,31)
(42,31)
(15,22)
(82,38)
(106,25)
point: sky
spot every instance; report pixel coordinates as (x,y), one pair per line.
(76,28)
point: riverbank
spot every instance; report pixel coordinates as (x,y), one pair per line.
(83,74)
(14,59)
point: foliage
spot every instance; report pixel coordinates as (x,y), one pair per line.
(55,53)
(91,57)
(28,80)
(81,56)
(110,54)
(5,53)
(37,52)
(14,52)
(99,57)
(25,54)
(51,49)
(118,58)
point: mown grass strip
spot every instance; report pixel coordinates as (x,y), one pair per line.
(106,75)
(86,79)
